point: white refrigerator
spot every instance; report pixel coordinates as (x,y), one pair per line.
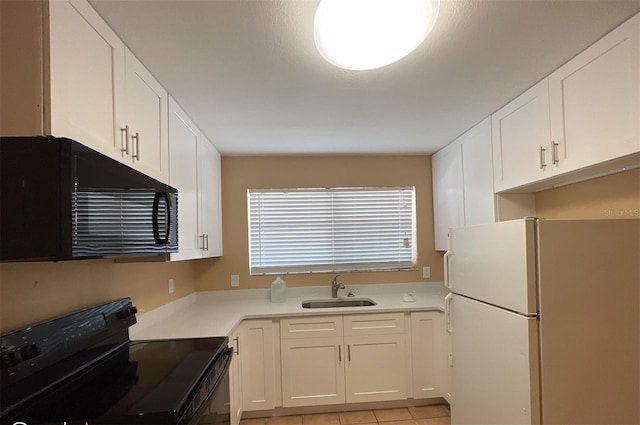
(544,322)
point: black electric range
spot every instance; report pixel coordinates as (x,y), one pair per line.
(83,369)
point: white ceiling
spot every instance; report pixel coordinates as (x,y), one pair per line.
(249,75)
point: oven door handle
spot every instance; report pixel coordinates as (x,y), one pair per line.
(224,374)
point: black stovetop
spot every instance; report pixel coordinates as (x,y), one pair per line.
(85,369)
(152,379)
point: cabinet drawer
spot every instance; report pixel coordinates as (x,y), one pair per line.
(311,327)
(374,324)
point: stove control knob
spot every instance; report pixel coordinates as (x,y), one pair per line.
(127,312)
(8,359)
(29,351)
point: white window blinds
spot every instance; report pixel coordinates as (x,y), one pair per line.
(331,230)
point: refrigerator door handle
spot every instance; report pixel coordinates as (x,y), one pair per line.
(447,312)
(446,269)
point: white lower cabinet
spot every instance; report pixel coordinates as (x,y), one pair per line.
(427,354)
(312,372)
(313,359)
(258,359)
(376,357)
(375,369)
(338,359)
(235,380)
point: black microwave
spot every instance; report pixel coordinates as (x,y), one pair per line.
(61,200)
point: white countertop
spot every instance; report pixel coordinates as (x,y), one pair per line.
(217,313)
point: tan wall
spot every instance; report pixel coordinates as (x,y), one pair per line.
(31,292)
(242,173)
(613,196)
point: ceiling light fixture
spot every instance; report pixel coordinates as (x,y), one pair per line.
(369,34)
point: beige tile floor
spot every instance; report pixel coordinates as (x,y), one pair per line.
(423,415)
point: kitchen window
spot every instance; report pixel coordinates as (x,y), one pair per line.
(331,230)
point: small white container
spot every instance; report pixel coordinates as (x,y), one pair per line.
(278,290)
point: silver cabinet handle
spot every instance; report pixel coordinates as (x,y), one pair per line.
(206,238)
(339,353)
(554,154)
(137,139)
(124,147)
(237,340)
(542,163)
(202,246)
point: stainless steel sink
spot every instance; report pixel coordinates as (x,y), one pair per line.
(338,302)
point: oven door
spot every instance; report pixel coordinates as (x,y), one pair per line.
(211,403)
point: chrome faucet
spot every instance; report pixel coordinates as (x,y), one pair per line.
(335,285)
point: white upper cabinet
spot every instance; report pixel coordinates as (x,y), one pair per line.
(447,192)
(195,172)
(184,139)
(145,122)
(73,77)
(463,193)
(522,139)
(594,101)
(584,114)
(477,175)
(85,78)
(209,196)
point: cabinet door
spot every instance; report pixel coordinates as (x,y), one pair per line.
(426,354)
(258,365)
(375,369)
(86,79)
(147,119)
(594,101)
(184,138)
(522,139)
(312,371)
(477,175)
(447,193)
(210,222)
(235,380)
